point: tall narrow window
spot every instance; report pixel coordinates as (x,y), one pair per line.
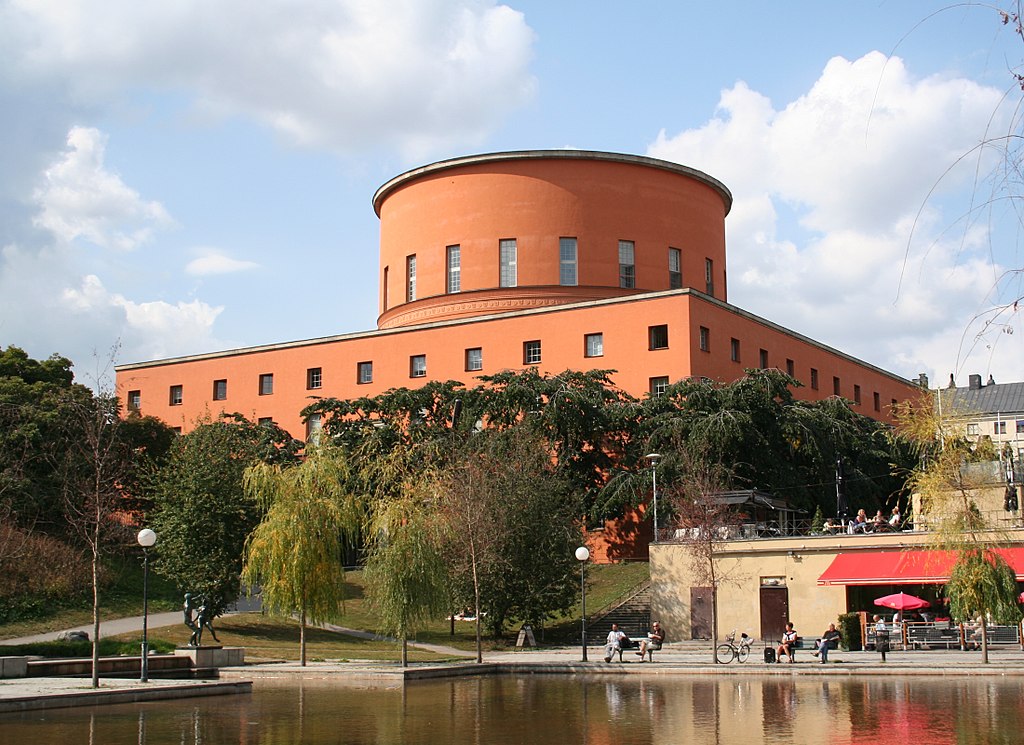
(474,359)
(705,339)
(531,352)
(658,386)
(220,390)
(314,425)
(814,379)
(507,258)
(384,289)
(135,401)
(364,372)
(593,345)
(877,401)
(418,366)
(709,277)
(410,278)
(675,268)
(734,350)
(657,337)
(454,269)
(266,384)
(856,394)
(763,359)
(567,262)
(314,378)
(627,265)
(177,395)
(836,388)
(790,368)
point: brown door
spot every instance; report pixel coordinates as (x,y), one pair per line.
(774,612)
(700,612)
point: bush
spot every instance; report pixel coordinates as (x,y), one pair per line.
(108,648)
(849,627)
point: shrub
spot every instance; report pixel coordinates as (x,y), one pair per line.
(849,627)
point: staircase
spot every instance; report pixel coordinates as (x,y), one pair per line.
(633,615)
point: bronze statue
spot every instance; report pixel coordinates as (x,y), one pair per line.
(198,615)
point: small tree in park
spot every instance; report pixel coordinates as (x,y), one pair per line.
(295,553)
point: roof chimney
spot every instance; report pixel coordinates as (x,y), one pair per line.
(952,381)
(922,380)
(974,382)
(991,380)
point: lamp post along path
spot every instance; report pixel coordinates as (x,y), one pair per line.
(653,458)
(146,539)
(582,554)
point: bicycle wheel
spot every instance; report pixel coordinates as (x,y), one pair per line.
(742,652)
(724,653)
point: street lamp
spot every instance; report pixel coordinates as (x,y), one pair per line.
(146,539)
(582,554)
(653,458)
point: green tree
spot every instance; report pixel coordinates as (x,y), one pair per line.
(201,511)
(295,554)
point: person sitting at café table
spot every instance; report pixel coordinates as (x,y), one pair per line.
(831,526)
(895,519)
(824,644)
(860,523)
(789,638)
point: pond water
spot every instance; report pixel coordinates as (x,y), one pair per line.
(749,710)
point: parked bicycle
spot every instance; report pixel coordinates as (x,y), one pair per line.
(731,650)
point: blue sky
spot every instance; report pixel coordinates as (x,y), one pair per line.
(196,177)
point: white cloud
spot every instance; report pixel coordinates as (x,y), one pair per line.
(343,75)
(215,262)
(827,234)
(80,198)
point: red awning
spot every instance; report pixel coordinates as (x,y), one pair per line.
(903,567)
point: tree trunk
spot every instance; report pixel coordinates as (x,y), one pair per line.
(405,650)
(984,639)
(95,619)
(302,636)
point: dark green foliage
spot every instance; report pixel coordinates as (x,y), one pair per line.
(982,583)
(202,516)
(849,627)
(80,649)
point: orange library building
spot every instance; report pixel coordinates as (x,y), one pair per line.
(554,259)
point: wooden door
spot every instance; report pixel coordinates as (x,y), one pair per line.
(774,612)
(700,612)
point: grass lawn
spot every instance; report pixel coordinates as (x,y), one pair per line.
(268,638)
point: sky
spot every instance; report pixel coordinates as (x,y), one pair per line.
(186,177)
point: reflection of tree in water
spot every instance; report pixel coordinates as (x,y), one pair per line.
(779,707)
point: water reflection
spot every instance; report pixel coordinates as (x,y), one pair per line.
(551,709)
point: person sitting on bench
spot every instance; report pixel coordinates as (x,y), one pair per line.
(614,643)
(788,643)
(653,641)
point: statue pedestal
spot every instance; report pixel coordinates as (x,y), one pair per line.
(212,657)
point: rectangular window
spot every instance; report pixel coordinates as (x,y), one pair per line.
(567,262)
(364,372)
(999,428)
(266,384)
(856,393)
(418,366)
(508,276)
(220,390)
(658,386)
(1020,422)
(709,277)
(314,378)
(135,401)
(531,352)
(836,388)
(474,359)
(177,395)
(314,425)
(973,430)
(675,269)
(410,278)
(454,269)
(814,379)
(705,339)
(877,401)
(627,265)
(763,359)
(790,368)
(657,337)
(593,345)
(734,350)
(265,421)
(384,288)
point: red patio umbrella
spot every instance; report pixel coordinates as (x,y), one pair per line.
(902,601)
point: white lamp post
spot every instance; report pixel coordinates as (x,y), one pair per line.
(653,459)
(146,539)
(582,554)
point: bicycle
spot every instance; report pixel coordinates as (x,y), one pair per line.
(730,650)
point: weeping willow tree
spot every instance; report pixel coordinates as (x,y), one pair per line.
(406,575)
(295,553)
(982,586)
